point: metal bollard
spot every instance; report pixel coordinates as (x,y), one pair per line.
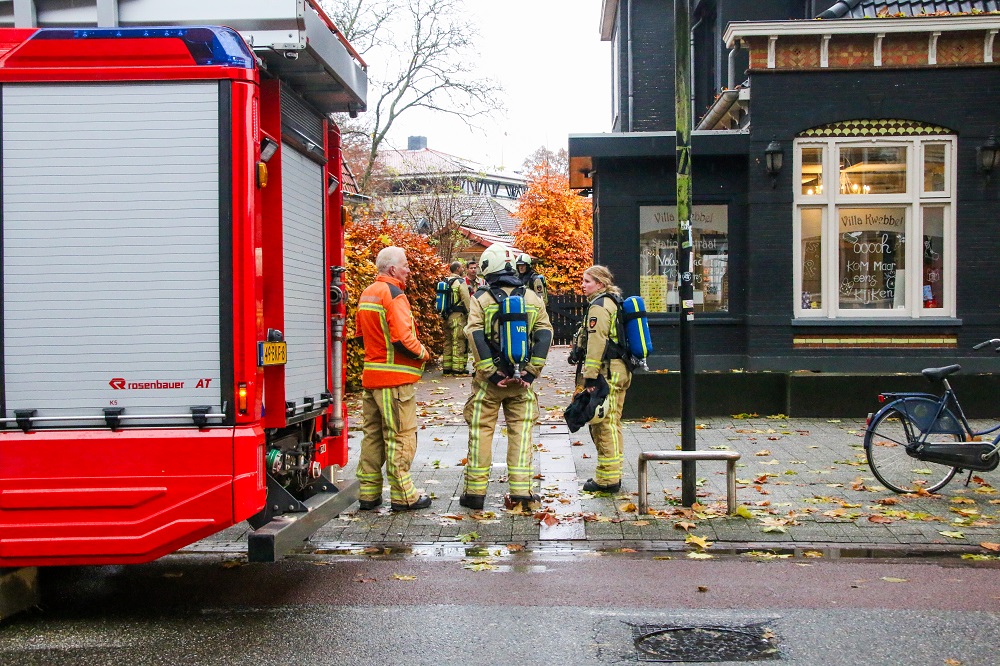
(729,456)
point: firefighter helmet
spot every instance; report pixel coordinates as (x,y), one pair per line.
(495,259)
(523,259)
(603,410)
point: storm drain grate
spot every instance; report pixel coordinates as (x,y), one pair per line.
(676,643)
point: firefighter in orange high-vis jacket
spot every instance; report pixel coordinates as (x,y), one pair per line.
(394,361)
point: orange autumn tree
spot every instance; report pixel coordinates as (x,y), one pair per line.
(556,229)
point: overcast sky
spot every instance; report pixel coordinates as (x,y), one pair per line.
(556,72)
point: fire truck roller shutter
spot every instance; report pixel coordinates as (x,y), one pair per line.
(111,234)
(302,195)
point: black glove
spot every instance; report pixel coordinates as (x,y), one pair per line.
(590,383)
(574,356)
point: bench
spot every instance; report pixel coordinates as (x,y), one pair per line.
(729,456)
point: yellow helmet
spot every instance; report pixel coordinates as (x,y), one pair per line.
(496,258)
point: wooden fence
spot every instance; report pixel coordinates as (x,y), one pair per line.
(565,312)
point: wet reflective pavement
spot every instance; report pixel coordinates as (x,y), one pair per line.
(471,605)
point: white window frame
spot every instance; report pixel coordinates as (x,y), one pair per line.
(948,181)
(914,201)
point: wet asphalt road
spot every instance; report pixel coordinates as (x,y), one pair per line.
(494,607)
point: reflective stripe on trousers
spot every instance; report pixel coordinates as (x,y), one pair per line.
(520,407)
(607,434)
(456,346)
(390,439)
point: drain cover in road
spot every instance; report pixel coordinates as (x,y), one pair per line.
(675,643)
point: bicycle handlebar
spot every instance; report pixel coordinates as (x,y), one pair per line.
(995,343)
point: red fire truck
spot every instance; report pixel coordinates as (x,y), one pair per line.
(171,293)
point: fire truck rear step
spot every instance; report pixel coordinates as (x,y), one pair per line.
(285,532)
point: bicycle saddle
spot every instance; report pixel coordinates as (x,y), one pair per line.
(937,374)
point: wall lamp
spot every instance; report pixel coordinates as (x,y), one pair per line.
(267,149)
(988,155)
(774,158)
(332,184)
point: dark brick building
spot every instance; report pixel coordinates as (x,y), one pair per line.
(871,248)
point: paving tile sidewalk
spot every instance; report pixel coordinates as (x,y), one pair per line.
(803,481)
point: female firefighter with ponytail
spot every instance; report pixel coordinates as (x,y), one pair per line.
(598,344)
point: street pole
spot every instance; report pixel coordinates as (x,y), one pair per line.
(685,259)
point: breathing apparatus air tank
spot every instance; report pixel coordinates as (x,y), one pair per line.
(513,322)
(640,344)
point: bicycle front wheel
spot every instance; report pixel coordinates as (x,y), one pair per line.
(885,448)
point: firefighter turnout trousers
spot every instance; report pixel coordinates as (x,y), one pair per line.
(607,434)
(390,439)
(520,407)
(456,346)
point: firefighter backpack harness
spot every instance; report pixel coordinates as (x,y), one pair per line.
(512,323)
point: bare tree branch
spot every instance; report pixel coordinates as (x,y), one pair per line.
(548,161)
(437,207)
(426,50)
(361,21)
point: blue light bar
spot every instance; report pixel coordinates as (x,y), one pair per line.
(208,45)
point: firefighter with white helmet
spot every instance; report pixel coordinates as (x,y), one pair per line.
(530,278)
(497,384)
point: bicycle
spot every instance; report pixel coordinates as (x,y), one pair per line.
(929,428)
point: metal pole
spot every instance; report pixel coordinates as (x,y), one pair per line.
(731,485)
(685,263)
(643,487)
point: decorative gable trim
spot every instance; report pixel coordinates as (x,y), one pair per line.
(880,127)
(863,44)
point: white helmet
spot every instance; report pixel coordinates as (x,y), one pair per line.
(523,258)
(496,258)
(603,410)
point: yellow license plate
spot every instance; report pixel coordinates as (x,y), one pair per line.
(271,353)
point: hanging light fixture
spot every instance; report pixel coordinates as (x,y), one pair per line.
(988,155)
(774,158)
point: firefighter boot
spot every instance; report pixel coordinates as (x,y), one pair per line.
(474,502)
(592,486)
(368,505)
(421,502)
